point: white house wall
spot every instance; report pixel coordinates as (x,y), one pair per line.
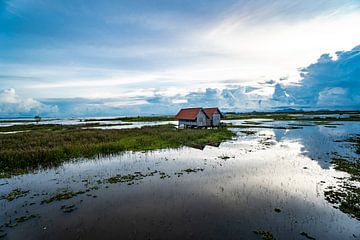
(216,119)
(201,119)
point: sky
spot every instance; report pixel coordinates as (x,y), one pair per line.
(139,57)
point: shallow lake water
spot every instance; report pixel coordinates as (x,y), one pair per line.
(264,179)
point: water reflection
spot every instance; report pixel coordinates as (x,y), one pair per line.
(320,143)
(242,183)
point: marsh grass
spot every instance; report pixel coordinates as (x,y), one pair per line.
(304,116)
(136,119)
(43,148)
(53,127)
(347,195)
(230,125)
(356,141)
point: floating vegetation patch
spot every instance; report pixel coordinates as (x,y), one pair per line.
(249,132)
(266,235)
(129,178)
(2,233)
(163,175)
(356,141)
(303,116)
(189,170)
(14,194)
(26,218)
(346,196)
(14,223)
(262,126)
(353,168)
(224,157)
(307,236)
(68,208)
(62,195)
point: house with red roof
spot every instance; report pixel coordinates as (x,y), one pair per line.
(199,117)
(214,116)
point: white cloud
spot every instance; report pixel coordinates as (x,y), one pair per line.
(330,82)
(250,42)
(263,44)
(168,58)
(13,105)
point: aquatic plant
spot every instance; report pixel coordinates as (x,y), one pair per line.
(2,233)
(62,195)
(25,218)
(306,235)
(346,196)
(304,116)
(14,194)
(224,157)
(266,235)
(189,170)
(42,148)
(136,119)
(68,208)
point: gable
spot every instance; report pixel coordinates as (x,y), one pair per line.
(211,111)
(188,113)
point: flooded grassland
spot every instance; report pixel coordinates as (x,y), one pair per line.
(273,180)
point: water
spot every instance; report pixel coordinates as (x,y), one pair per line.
(103,124)
(215,193)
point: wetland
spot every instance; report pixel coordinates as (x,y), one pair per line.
(254,178)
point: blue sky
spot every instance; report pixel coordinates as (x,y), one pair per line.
(91,58)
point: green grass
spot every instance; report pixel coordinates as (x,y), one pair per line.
(355,116)
(306,116)
(43,148)
(53,127)
(136,119)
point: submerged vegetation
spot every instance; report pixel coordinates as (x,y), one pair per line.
(66,195)
(265,235)
(129,178)
(230,125)
(346,196)
(42,146)
(294,116)
(52,127)
(135,119)
(14,194)
(46,147)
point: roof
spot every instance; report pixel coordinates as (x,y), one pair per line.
(189,113)
(211,111)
